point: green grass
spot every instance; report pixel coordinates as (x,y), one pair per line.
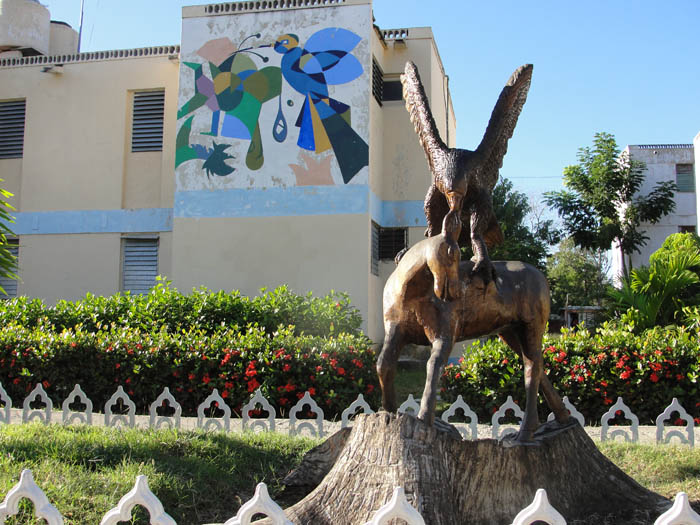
(205,477)
(199,477)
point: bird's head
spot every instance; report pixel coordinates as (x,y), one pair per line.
(286,43)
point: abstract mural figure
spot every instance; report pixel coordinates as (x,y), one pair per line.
(463,180)
(324,122)
(238,90)
(214,158)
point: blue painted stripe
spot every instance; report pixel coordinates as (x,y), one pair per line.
(397,214)
(142,220)
(273,202)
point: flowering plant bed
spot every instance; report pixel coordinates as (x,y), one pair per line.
(591,368)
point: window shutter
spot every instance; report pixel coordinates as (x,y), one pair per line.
(377,82)
(140,265)
(391,242)
(147,123)
(12,117)
(685,180)
(10,285)
(375,249)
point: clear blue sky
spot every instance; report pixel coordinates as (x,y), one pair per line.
(628,68)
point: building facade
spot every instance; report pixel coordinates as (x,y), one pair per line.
(666,162)
(270,147)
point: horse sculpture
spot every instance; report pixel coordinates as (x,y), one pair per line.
(433,298)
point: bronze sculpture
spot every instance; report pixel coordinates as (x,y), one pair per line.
(515,306)
(463,180)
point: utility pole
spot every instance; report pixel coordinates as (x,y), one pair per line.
(80,28)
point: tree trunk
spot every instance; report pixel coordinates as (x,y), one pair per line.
(453,482)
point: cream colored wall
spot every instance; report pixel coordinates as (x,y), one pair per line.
(308,253)
(11,174)
(77,135)
(55,267)
(24,23)
(63,39)
(165,254)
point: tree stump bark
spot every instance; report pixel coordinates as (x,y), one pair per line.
(453,482)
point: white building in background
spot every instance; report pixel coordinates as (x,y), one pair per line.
(666,162)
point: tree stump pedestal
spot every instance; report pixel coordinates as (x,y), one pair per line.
(455,482)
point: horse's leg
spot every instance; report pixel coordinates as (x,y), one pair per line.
(520,340)
(387,363)
(441,348)
(553,399)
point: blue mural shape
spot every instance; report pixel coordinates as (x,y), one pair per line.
(324,122)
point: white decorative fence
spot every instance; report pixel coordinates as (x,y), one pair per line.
(315,426)
(397,507)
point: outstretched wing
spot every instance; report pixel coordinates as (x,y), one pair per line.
(504,117)
(423,122)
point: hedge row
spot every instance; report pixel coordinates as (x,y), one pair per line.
(593,369)
(190,363)
(164,308)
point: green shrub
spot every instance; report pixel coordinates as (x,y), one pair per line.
(190,363)
(164,308)
(592,369)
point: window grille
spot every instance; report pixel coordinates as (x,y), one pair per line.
(377,82)
(12,118)
(685,180)
(147,122)
(392,90)
(8,284)
(139,264)
(386,243)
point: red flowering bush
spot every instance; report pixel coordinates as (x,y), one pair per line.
(190,364)
(648,370)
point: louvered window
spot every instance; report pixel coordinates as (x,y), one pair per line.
(8,284)
(377,82)
(147,123)
(685,180)
(386,244)
(12,116)
(139,264)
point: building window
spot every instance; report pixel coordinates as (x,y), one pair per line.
(139,264)
(392,90)
(386,243)
(8,284)
(685,180)
(147,122)
(377,82)
(686,229)
(12,117)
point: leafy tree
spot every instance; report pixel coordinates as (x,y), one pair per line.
(580,275)
(522,241)
(8,262)
(601,205)
(665,291)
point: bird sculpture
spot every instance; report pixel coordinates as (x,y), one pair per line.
(463,180)
(324,123)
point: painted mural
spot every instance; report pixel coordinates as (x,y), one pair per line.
(280,102)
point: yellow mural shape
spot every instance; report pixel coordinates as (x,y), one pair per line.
(321,140)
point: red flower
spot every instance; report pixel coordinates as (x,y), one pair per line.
(206,379)
(117,366)
(319,368)
(312,391)
(300,395)
(341,371)
(679,377)
(253,384)
(224,394)
(290,387)
(228,384)
(579,379)
(128,380)
(284,401)
(191,377)
(603,383)
(46,383)
(620,363)
(626,374)
(607,401)
(370,388)
(73,345)
(334,362)
(505,361)
(204,358)
(656,367)
(16,380)
(287,367)
(654,378)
